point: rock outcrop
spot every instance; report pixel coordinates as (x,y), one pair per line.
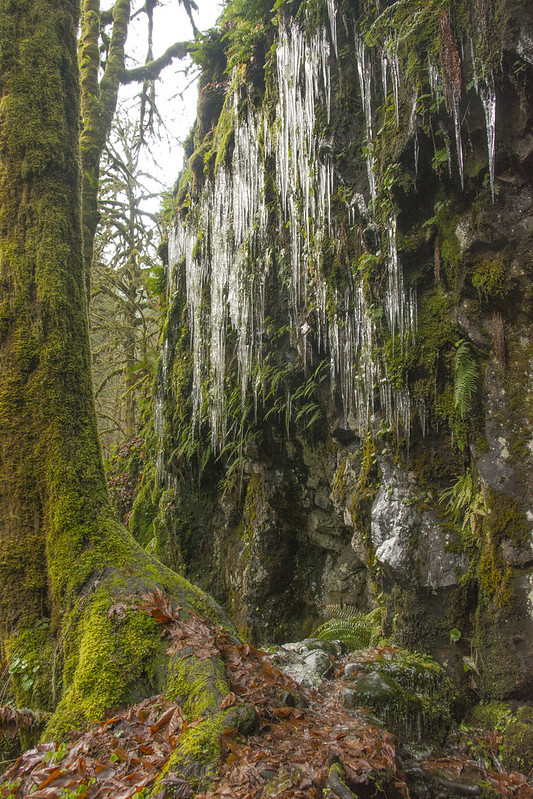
(344,410)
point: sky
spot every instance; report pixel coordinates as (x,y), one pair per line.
(176,95)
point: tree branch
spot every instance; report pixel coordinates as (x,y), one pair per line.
(152,69)
(189,6)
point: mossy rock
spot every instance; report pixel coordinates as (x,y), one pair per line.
(410,693)
(490,715)
(515,725)
(516,750)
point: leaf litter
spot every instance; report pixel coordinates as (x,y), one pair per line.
(288,757)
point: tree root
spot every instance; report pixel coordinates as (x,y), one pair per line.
(453,787)
(337,782)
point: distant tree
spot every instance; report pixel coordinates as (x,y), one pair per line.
(124,311)
(102,59)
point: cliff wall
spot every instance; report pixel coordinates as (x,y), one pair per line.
(344,400)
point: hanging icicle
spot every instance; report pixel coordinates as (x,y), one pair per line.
(488,98)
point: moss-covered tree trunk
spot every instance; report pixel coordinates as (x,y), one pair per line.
(64,559)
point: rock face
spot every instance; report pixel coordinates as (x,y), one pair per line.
(344,404)
(410,542)
(410,693)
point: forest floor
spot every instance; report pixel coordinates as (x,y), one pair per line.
(317,749)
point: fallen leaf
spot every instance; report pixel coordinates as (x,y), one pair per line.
(228,701)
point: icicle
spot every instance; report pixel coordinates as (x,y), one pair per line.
(304,167)
(226,253)
(332,12)
(434,82)
(474,65)
(488,98)
(458,137)
(365,83)
(394,62)
(413,131)
(384,67)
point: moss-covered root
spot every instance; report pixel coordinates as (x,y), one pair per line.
(201,687)
(337,782)
(198,753)
(112,652)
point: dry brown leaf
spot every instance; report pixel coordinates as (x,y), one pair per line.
(118,610)
(228,701)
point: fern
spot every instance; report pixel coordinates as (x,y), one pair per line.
(354,629)
(465,503)
(466,374)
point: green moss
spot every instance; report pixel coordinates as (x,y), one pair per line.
(32,649)
(504,519)
(436,331)
(490,715)
(366,488)
(198,165)
(200,685)
(198,751)
(184,187)
(490,278)
(142,522)
(500,670)
(410,692)
(516,750)
(108,662)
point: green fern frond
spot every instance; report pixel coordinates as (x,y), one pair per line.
(466,374)
(354,629)
(465,502)
(347,612)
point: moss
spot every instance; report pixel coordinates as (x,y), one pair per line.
(490,279)
(33,650)
(436,331)
(197,164)
(516,750)
(366,488)
(142,522)
(184,187)
(412,620)
(505,519)
(500,670)
(410,692)
(200,685)
(490,715)
(108,662)
(198,751)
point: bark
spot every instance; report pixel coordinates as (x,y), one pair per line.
(65,562)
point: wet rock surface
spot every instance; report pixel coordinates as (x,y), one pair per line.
(408,538)
(411,694)
(308,662)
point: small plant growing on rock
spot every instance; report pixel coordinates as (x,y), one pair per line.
(356,630)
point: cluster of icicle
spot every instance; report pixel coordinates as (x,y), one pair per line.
(226,270)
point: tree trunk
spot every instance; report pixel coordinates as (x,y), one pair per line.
(64,559)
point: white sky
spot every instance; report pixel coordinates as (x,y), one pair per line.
(171,24)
